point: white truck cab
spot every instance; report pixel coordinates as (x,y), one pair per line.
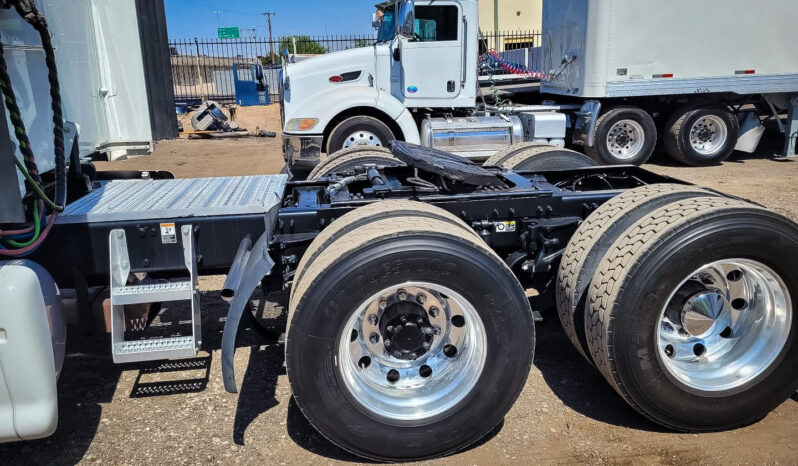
(423,64)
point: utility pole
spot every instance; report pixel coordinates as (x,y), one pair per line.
(218,18)
(268,15)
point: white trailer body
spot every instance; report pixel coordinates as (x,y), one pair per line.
(101,71)
(630,48)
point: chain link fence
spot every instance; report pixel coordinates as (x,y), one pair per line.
(202,69)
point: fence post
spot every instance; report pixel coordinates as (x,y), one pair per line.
(200,79)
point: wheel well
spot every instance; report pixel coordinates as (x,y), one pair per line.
(362,111)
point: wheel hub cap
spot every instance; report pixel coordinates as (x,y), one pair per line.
(412,351)
(724,325)
(362,138)
(701,312)
(708,135)
(625,139)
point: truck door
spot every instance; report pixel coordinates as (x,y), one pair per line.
(430,65)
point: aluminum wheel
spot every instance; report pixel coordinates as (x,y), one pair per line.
(362,138)
(724,325)
(626,139)
(708,135)
(412,351)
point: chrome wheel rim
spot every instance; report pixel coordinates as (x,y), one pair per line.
(724,325)
(708,135)
(412,351)
(362,138)
(625,139)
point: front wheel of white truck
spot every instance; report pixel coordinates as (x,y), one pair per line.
(359,131)
(408,339)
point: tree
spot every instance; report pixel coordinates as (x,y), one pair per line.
(304,46)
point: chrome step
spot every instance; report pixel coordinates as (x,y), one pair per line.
(159,292)
(122,294)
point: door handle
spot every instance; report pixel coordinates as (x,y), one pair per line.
(450,86)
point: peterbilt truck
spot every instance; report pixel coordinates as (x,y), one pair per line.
(628,75)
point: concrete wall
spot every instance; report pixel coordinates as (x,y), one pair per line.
(514,15)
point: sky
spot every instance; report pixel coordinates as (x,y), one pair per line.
(197,18)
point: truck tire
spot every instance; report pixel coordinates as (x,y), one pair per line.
(699,278)
(496,159)
(379,401)
(623,136)
(547,158)
(591,242)
(369,214)
(701,136)
(348,159)
(359,131)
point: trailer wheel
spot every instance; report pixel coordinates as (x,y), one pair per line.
(359,131)
(408,339)
(547,158)
(591,242)
(691,318)
(348,159)
(701,136)
(368,214)
(623,136)
(496,159)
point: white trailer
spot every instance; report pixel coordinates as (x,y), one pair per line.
(703,76)
(691,64)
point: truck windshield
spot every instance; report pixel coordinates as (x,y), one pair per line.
(388,27)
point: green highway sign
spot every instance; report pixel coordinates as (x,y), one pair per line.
(229,33)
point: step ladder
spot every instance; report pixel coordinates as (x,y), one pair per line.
(122,294)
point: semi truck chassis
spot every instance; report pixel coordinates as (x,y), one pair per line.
(410,331)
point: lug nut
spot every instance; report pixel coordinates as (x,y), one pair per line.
(383,304)
(421,298)
(397,354)
(427,330)
(436,330)
(419,321)
(374,338)
(373,319)
(426,346)
(389,329)
(403,319)
(401,294)
(387,343)
(433,312)
(413,356)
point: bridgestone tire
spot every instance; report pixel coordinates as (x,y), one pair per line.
(601,153)
(496,159)
(365,215)
(591,242)
(677,135)
(544,159)
(337,138)
(349,159)
(635,280)
(383,254)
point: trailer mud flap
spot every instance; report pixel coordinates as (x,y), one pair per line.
(258,266)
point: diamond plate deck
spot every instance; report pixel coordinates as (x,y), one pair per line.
(131,200)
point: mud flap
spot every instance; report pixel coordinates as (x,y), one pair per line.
(258,266)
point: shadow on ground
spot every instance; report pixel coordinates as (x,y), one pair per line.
(580,386)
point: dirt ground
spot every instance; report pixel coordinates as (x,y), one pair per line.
(567,413)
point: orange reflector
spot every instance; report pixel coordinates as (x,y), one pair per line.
(306,124)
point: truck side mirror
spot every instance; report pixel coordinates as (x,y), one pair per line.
(407,19)
(375,21)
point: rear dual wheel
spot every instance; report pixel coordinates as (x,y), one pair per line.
(701,136)
(352,159)
(535,157)
(689,314)
(408,337)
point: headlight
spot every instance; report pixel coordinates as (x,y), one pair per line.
(301,124)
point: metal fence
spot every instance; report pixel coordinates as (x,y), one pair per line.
(202,69)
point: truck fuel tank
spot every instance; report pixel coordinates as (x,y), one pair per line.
(472,137)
